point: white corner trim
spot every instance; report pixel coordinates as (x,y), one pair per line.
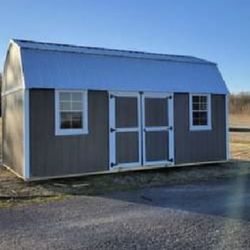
(21,65)
(26,135)
(82,131)
(227,127)
(209,115)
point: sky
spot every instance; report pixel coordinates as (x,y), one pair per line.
(216,30)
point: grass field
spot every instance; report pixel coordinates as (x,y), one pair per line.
(240,142)
(239,120)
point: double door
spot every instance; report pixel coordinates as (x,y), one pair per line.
(140,129)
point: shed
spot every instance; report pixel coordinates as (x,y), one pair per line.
(73,110)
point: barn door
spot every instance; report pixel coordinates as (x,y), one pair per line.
(157,125)
(125,129)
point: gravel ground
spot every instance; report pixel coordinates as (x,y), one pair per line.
(204,215)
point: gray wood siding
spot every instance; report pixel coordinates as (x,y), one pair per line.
(199,146)
(63,155)
(12,131)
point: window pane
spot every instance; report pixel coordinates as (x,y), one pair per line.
(76,106)
(76,96)
(77,120)
(195,99)
(203,98)
(203,106)
(200,118)
(65,96)
(196,106)
(71,120)
(66,119)
(65,106)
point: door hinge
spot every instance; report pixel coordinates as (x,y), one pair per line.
(171,160)
(112,130)
(112,164)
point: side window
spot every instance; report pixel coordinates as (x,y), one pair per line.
(71,112)
(200,111)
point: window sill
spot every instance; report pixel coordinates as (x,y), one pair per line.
(200,128)
(68,132)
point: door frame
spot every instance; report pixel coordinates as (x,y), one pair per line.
(112,132)
(169,128)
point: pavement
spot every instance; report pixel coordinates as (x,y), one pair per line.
(204,215)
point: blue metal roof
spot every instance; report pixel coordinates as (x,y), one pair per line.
(48,65)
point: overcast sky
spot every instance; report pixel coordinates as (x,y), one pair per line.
(217,30)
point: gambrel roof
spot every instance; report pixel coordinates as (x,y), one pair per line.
(48,65)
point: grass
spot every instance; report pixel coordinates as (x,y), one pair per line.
(8,203)
(15,192)
(239,120)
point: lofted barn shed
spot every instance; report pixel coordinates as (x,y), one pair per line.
(73,110)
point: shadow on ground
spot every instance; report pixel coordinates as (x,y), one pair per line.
(228,198)
(218,189)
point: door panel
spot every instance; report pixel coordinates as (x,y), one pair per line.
(157,120)
(156,112)
(127,144)
(126,113)
(125,129)
(157,146)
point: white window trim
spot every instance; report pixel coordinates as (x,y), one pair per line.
(200,127)
(60,131)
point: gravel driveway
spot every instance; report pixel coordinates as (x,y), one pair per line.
(208,215)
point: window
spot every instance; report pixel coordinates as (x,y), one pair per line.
(200,112)
(71,112)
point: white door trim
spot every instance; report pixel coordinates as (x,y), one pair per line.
(169,128)
(113,130)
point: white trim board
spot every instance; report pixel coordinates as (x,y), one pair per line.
(11,91)
(68,132)
(119,170)
(209,118)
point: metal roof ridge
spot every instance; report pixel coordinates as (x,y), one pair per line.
(126,53)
